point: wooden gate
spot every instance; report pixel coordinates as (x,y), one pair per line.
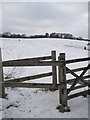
(63,70)
(79,81)
(18,82)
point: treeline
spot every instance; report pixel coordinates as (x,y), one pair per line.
(14,35)
(46,35)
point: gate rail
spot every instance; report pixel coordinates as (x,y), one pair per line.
(63,70)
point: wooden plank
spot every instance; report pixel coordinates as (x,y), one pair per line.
(85,70)
(77,77)
(89,83)
(77,60)
(71,81)
(62,79)
(21,62)
(30,59)
(0,76)
(43,58)
(30,77)
(78,94)
(27,85)
(30,85)
(29,63)
(77,69)
(76,80)
(2,89)
(78,87)
(54,69)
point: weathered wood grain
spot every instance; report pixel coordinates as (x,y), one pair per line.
(54,69)
(30,77)
(29,63)
(77,69)
(78,87)
(30,85)
(78,94)
(2,89)
(77,60)
(62,79)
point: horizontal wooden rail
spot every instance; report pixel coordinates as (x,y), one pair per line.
(31,85)
(30,63)
(28,85)
(27,60)
(30,77)
(31,59)
(77,60)
(71,81)
(78,94)
(78,87)
(77,69)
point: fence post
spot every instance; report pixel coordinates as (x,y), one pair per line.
(54,69)
(2,89)
(62,80)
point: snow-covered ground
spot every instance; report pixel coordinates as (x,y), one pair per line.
(40,103)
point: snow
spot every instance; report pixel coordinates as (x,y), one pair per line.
(40,103)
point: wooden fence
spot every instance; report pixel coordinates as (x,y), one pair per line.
(63,70)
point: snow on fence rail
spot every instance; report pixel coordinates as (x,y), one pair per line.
(63,70)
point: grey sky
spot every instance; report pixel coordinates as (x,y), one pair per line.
(41,17)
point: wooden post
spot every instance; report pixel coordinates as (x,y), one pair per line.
(62,79)
(54,69)
(2,90)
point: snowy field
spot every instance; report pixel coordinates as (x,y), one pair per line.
(40,103)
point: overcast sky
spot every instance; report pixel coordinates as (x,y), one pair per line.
(40,17)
